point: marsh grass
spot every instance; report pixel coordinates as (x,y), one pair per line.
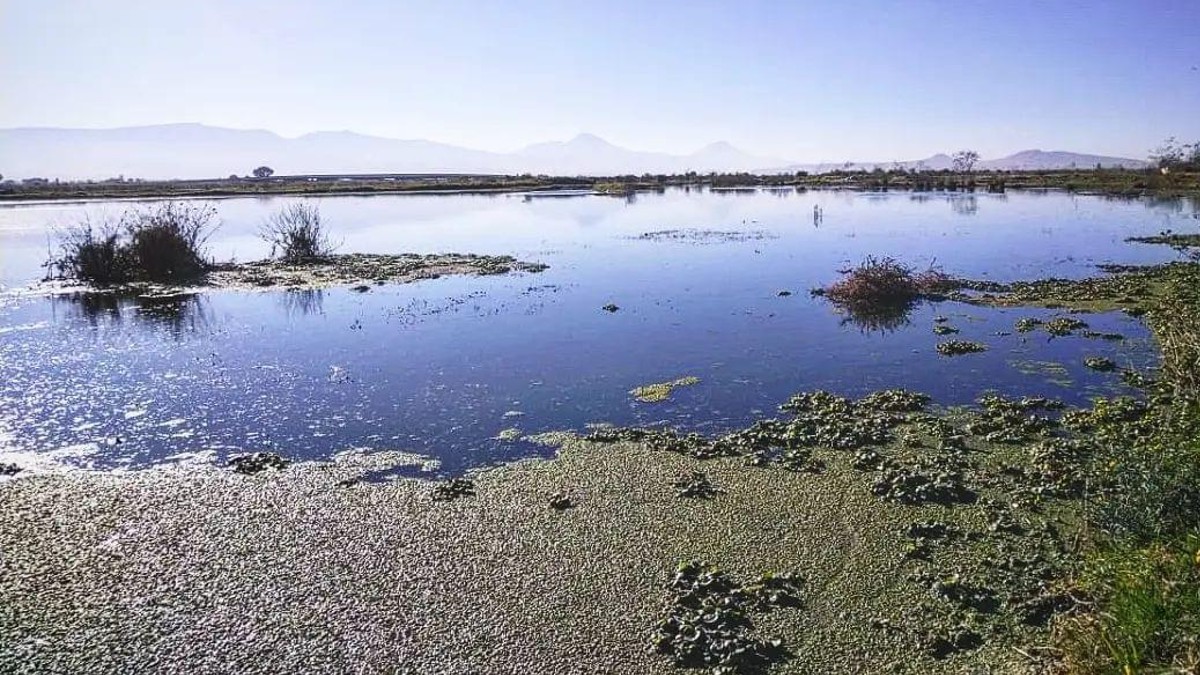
(1144,574)
(297,234)
(1151,612)
(162,243)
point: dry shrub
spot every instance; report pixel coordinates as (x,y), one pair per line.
(162,243)
(296,233)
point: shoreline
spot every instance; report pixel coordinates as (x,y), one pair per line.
(1111,182)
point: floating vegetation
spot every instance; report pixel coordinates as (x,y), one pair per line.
(359,269)
(560,501)
(1058,467)
(695,485)
(9,469)
(922,482)
(784,293)
(707,622)
(509,435)
(1063,325)
(1179,242)
(1095,335)
(1100,363)
(453,489)
(823,419)
(256,462)
(1051,371)
(958,347)
(1005,420)
(1027,324)
(943,329)
(695,236)
(610,308)
(895,400)
(655,393)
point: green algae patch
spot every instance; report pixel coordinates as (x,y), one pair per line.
(1050,371)
(656,393)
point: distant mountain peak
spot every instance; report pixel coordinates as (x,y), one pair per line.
(197,150)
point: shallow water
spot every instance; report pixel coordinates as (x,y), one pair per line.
(441,367)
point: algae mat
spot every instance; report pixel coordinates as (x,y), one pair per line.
(210,571)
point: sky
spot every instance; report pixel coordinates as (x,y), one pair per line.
(809,81)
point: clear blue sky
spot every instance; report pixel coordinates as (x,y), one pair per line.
(803,80)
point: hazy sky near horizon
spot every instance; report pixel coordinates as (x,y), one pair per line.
(806,81)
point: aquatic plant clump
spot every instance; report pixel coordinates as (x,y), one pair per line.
(509,435)
(696,485)
(1027,324)
(1063,326)
(707,619)
(959,347)
(256,462)
(921,483)
(661,391)
(1004,420)
(1100,363)
(453,489)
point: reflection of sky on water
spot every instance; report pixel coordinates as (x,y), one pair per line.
(441,366)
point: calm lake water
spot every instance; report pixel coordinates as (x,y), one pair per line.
(440,367)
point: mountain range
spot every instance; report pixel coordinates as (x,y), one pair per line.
(201,151)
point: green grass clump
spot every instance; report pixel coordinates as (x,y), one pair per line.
(1151,611)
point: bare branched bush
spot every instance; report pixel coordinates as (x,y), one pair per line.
(297,235)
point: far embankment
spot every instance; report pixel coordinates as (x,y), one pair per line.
(1130,182)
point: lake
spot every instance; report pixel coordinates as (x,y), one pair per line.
(441,367)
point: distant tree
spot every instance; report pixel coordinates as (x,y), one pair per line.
(264,172)
(1173,154)
(964,160)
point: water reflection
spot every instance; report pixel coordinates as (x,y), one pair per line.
(876,318)
(175,313)
(964,205)
(299,302)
